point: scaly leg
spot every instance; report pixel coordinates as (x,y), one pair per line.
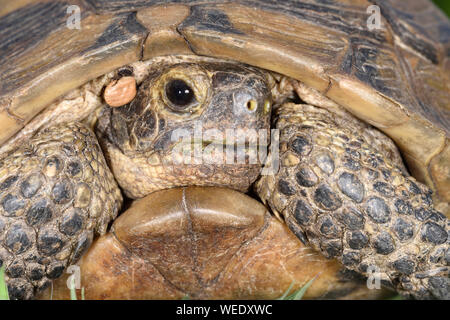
(55,191)
(350,201)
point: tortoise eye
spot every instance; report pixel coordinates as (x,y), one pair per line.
(180,95)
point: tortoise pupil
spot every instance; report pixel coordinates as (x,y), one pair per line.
(179,93)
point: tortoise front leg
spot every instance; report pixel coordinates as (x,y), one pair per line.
(352,202)
(56,190)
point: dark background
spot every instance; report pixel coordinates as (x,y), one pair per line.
(444,5)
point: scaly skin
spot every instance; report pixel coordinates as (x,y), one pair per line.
(56,190)
(343,197)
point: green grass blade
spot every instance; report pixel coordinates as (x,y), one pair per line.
(82,294)
(397,297)
(300,293)
(3,287)
(297,295)
(73,292)
(286,293)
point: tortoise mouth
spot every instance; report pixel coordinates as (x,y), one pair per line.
(224,145)
(219,151)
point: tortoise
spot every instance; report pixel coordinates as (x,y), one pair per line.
(343,104)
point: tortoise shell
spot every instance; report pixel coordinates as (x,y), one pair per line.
(395,77)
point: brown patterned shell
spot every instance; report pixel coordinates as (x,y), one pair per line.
(395,77)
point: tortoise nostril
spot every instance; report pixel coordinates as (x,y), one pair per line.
(252,105)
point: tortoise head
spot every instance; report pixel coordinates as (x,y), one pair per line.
(190,124)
